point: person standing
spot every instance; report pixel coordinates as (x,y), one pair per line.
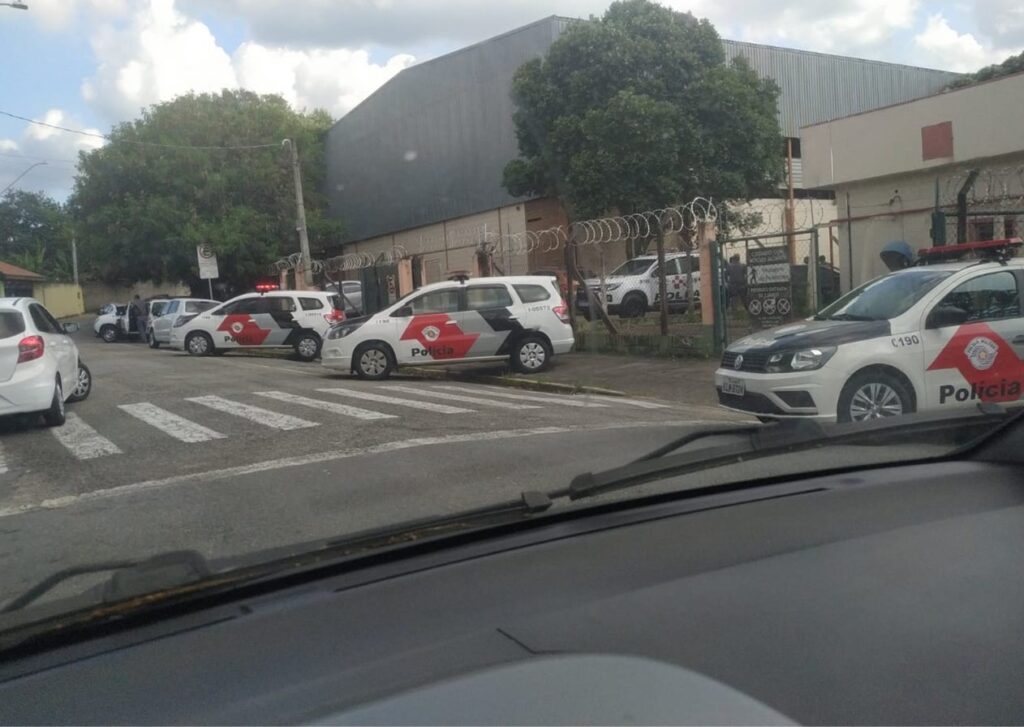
(141,317)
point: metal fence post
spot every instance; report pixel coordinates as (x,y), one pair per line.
(717,297)
(813,270)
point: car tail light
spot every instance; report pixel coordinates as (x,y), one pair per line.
(562,311)
(335,316)
(30,348)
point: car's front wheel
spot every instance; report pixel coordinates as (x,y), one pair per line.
(874,395)
(108,333)
(55,416)
(198,344)
(373,361)
(307,347)
(151,337)
(530,355)
(83,386)
(633,306)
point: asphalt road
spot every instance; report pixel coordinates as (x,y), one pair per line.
(236,454)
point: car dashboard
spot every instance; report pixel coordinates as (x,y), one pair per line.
(885,595)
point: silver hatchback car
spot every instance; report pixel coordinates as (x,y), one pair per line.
(162,318)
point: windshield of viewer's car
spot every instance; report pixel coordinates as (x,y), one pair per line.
(294,244)
(884,298)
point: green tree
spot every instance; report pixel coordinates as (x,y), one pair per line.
(639,110)
(1013,64)
(35,233)
(141,208)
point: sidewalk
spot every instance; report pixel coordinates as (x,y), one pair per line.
(687,381)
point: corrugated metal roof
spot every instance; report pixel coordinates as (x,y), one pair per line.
(431,144)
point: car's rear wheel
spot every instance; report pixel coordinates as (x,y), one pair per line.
(633,306)
(83,386)
(307,348)
(151,337)
(55,416)
(530,355)
(373,361)
(874,395)
(198,344)
(108,333)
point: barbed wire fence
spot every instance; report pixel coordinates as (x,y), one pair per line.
(978,204)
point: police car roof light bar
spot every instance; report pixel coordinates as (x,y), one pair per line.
(989,249)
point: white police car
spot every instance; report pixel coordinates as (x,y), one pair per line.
(932,337)
(632,288)
(520,318)
(296,319)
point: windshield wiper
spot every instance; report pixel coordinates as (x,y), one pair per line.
(783,437)
(130,577)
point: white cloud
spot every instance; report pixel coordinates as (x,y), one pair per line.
(41,144)
(941,44)
(1002,21)
(63,14)
(336,80)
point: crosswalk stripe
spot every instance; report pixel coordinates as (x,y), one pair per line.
(563,399)
(425,405)
(458,397)
(253,413)
(82,440)
(171,424)
(334,408)
(628,402)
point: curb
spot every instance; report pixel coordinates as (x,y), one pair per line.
(510,381)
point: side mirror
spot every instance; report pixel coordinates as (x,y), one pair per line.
(404,312)
(71,328)
(946,315)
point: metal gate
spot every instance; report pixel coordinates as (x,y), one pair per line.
(380,287)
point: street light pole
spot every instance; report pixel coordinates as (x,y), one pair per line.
(37,164)
(307,269)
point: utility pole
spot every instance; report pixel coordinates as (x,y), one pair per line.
(307,270)
(74,258)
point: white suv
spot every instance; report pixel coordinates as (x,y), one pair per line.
(523,319)
(297,319)
(39,365)
(632,288)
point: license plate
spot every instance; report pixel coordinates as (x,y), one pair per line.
(735,387)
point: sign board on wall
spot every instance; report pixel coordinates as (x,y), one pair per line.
(207,262)
(769,289)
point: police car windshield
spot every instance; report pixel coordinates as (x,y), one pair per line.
(884,298)
(632,267)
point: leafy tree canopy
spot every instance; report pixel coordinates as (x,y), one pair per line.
(1013,64)
(35,233)
(141,210)
(639,110)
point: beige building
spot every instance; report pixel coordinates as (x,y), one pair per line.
(890,167)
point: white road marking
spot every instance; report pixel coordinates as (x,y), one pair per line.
(334,408)
(564,399)
(171,424)
(58,503)
(253,413)
(458,397)
(425,405)
(82,440)
(623,400)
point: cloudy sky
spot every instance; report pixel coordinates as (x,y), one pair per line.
(87,64)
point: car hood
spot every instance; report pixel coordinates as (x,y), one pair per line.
(809,333)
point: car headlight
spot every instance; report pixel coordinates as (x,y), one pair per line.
(339,332)
(806,360)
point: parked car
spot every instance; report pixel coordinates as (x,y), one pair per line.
(352,298)
(163,314)
(935,337)
(40,369)
(109,323)
(277,319)
(523,319)
(631,289)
